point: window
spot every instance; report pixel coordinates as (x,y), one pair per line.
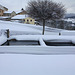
(24,20)
(31,20)
(27,20)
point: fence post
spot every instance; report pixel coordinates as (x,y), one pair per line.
(7,33)
(59,33)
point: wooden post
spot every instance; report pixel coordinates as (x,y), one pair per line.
(7,36)
(7,33)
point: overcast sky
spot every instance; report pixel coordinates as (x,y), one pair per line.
(16,5)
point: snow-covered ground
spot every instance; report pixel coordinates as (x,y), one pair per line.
(28,29)
(68,32)
(21,64)
(19,28)
(47,60)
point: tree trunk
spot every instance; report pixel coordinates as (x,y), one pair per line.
(43,27)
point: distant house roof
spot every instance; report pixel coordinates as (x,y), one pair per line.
(4,17)
(8,12)
(19,16)
(3,8)
(21,11)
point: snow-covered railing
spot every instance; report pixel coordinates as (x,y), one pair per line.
(43,37)
(3,32)
(42,48)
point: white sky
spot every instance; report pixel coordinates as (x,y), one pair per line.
(16,5)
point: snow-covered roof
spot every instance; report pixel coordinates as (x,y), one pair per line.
(1,17)
(18,11)
(19,16)
(3,8)
(8,11)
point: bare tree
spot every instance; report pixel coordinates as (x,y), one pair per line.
(45,9)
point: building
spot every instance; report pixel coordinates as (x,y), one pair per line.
(2,10)
(9,13)
(23,19)
(21,12)
(29,20)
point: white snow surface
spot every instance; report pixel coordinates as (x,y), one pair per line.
(1,17)
(8,11)
(3,39)
(26,29)
(2,7)
(27,64)
(19,28)
(68,33)
(21,64)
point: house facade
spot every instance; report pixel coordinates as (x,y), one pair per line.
(29,20)
(2,10)
(23,19)
(21,12)
(9,13)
